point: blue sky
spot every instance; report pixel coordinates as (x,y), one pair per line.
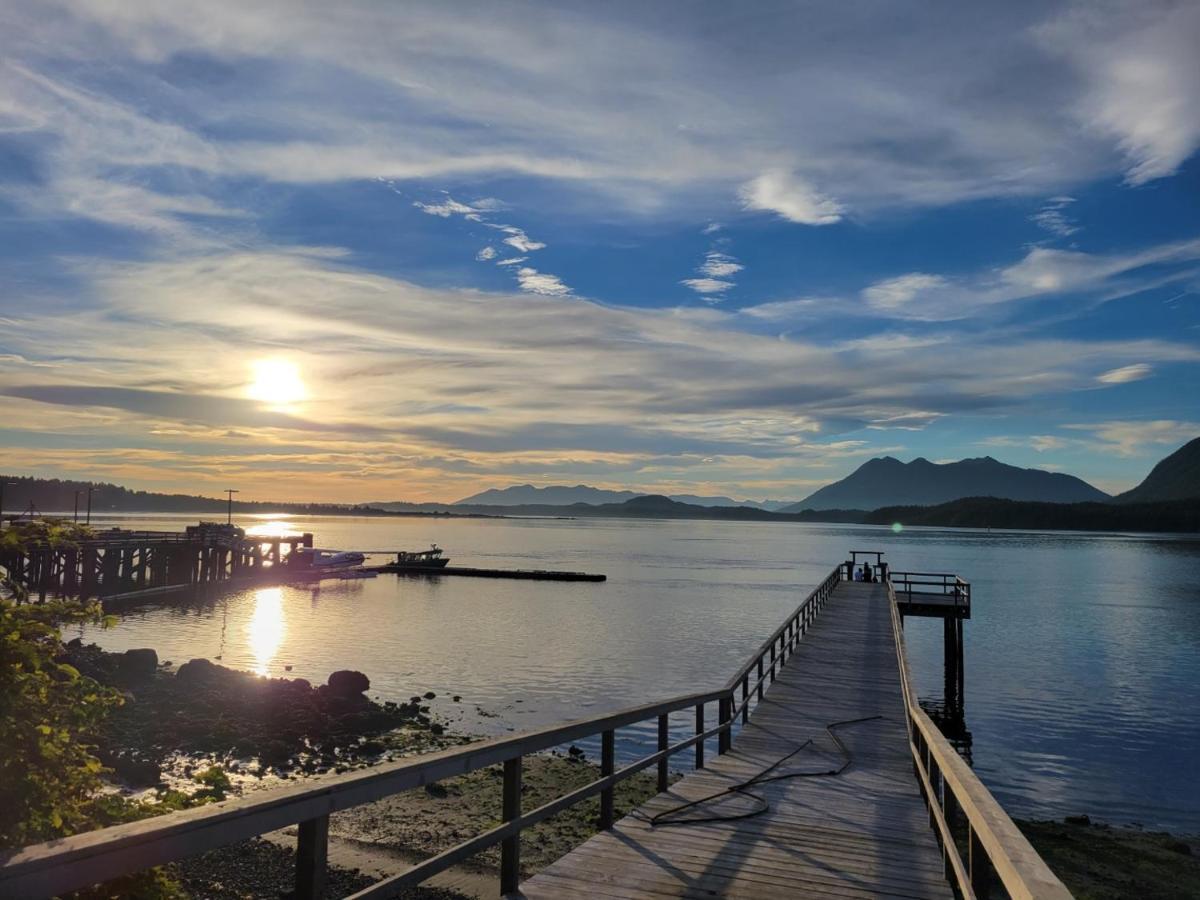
(412,251)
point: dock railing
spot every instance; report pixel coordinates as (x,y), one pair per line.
(76,862)
(980,844)
(910,586)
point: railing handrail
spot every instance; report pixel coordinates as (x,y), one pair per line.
(991,832)
(77,861)
(830,581)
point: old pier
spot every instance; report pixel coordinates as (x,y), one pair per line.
(119,563)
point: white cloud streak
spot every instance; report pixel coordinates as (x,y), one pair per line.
(790,197)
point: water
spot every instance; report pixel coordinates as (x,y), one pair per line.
(1081,658)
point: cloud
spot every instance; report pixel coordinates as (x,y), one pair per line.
(486,254)
(1131,437)
(895,293)
(541,282)
(791,197)
(1053,218)
(511,261)
(520,241)
(707,285)
(715,272)
(447,208)
(1125,374)
(719,265)
(1042,272)
(711,228)
(1141,77)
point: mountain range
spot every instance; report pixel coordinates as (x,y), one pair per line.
(886,481)
(564,495)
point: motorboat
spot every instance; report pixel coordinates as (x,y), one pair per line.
(421,559)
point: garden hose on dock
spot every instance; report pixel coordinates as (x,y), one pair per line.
(763,777)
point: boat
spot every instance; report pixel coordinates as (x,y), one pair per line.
(421,559)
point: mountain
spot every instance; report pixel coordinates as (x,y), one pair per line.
(562,495)
(886,481)
(552,495)
(1175,478)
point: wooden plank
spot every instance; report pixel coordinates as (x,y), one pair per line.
(863,832)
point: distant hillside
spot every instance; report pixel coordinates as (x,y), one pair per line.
(564,495)
(52,495)
(989,512)
(887,481)
(656,506)
(1175,478)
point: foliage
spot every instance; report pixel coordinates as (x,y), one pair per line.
(49,714)
(22,535)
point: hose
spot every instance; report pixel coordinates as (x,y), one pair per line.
(763,777)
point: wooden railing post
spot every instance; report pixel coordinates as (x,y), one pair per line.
(699,730)
(607,766)
(760,678)
(510,848)
(664,732)
(745,699)
(725,717)
(772,662)
(978,865)
(312,851)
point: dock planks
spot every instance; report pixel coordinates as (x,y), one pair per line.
(864,833)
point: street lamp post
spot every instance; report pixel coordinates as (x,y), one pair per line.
(89,509)
(77,493)
(229,517)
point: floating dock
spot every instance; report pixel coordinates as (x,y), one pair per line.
(472,572)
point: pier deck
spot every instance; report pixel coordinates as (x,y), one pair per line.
(894,811)
(864,833)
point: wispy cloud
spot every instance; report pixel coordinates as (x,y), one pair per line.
(714,272)
(707,286)
(541,282)
(1131,437)
(1126,374)
(1052,217)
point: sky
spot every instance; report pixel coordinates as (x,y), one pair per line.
(371,251)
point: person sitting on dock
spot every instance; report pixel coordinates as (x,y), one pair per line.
(858,573)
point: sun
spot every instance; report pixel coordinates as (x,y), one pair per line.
(277,382)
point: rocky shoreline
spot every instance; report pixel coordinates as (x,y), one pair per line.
(175,721)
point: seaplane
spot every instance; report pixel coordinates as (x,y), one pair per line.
(332,559)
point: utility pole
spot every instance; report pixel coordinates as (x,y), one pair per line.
(77,493)
(4,484)
(89,509)
(229,517)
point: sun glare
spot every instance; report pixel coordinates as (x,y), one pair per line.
(277,382)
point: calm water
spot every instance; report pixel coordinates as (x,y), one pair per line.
(1083,655)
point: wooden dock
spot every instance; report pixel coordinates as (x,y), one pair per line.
(473,572)
(863,833)
(864,795)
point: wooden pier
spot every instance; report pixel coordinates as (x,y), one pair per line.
(472,572)
(132,563)
(859,793)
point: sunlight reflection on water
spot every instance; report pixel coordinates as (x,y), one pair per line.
(266,628)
